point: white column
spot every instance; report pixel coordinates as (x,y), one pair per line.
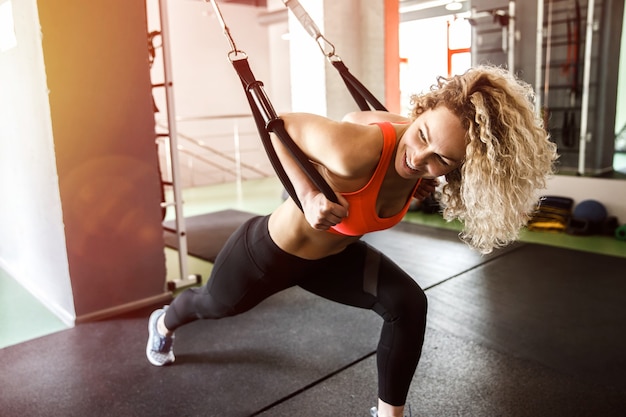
(356,29)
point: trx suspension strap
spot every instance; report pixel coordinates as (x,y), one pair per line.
(268,121)
(363,97)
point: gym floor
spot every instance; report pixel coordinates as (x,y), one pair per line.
(536,329)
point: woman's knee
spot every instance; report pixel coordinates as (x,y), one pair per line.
(409,307)
(414,305)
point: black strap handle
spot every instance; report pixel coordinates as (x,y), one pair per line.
(267,121)
(362,96)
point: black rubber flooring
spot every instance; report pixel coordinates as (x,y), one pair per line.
(528,331)
(206,233)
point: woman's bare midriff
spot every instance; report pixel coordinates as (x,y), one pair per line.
(289,229)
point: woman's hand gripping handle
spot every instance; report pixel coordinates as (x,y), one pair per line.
(322,213)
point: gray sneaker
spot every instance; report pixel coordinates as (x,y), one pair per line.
(160,349)
(374,411)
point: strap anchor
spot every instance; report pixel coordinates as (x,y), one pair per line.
(234,54)
(324,43)
(237,55)
(327,48)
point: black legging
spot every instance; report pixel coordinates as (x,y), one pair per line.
(251,267)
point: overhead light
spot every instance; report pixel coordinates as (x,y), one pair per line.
(454,5)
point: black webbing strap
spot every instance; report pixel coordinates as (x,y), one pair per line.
(268,121)
(363,97)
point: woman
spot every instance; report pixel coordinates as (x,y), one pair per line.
(478,130)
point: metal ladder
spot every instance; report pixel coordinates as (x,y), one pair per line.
(170,137)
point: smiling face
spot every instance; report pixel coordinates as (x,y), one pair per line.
(432,146)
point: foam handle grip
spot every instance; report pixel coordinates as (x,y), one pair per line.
(620,233)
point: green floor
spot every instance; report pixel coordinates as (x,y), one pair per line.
(597,244)
(619,161)
(24,318)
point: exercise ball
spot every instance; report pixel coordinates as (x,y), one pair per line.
(590,210)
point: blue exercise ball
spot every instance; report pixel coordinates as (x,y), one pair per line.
(591,210)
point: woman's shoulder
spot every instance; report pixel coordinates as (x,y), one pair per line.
(370,117)
(345,148)
(361,147)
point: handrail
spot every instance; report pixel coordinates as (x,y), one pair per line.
(206,147)
(207,161)
(196,154)
(214,117)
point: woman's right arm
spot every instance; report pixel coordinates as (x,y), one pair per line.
(312,134)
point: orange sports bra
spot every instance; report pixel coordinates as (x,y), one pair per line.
(363,217)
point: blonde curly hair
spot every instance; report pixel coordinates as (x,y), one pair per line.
(508,156)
